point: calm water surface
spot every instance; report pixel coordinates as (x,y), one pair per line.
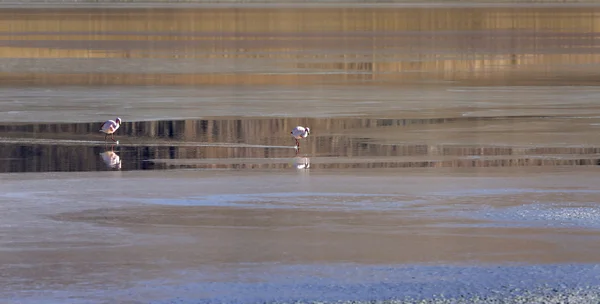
(453,151)
(336,143)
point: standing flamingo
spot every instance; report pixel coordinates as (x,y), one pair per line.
(109,127)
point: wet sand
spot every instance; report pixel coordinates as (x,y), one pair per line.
(453,151)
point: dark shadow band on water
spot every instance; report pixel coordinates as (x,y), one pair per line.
(264,143)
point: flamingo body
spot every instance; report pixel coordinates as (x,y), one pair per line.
(110,126)
(300,132)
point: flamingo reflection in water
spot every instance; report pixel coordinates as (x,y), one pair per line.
(111,159)
(301,163)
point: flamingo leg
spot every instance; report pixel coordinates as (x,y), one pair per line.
(297,143)
(105,135)
(112,136)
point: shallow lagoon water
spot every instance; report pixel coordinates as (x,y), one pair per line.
(447,157)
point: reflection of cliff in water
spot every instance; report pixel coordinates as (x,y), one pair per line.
(146,145)
(50,158)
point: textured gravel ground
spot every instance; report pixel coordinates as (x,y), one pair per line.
(576,283)
(363,284)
